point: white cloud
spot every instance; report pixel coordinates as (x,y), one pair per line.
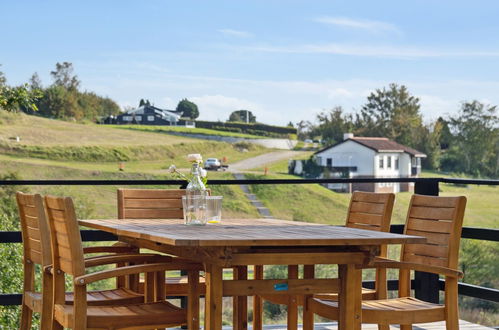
(340,93)
(236,33)
(279,101)
(367,25)
(219,107)
(403,52)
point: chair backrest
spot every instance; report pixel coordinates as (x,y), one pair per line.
(372,211)
(67,250)
(150,203)
(34,229)
(440,220)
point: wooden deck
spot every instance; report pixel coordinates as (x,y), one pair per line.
(463,325)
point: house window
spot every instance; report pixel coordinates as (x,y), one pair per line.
(381,162)
(150,118)
(138,118)
(329,162)
(127,118)
(389,162)
(396,163)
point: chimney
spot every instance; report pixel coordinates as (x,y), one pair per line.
(347,136)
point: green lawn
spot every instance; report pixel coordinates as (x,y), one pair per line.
(314,203)
(189,130)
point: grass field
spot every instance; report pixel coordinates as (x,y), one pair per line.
(482,208)
(189,130)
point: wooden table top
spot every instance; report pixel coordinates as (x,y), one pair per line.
(246,232)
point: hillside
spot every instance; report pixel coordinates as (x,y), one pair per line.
(81,145)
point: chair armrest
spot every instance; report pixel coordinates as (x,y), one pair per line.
(110,249)
(48,269)
(122,258)
(388,263)
(120,271)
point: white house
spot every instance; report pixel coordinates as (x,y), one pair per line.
(372,157)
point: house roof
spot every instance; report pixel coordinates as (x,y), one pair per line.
(379,144)
(162,112)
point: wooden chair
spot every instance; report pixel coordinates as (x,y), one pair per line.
(37,251)
(157,204)
(367,210)
(68,258)
(440,220)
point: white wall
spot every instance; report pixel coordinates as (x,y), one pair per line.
(386,171)
(350,153)
(405,165)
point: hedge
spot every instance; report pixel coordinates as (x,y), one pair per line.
(250,128)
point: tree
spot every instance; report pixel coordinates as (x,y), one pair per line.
(63,76)
(188,109)
(445,134)
(332,125)
(3,80)
(430,145)
(17,98)
(35,82)
(475,147)
(14,99)
(244,116)
(392,113)
(144,102)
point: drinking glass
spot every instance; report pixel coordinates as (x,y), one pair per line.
(214,209)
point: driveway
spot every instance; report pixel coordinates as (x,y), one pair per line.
(262,160)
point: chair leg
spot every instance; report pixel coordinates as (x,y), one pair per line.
(451,305)
(56,325)
(26,316)
(383,327)
(406,327)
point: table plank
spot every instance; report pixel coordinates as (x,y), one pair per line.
(246,232)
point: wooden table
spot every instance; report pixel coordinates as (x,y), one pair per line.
(238,243)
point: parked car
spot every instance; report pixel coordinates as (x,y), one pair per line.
(212,164)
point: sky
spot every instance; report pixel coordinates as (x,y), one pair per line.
(282,60)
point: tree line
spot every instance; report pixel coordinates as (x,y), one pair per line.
(63,99)
(466,142)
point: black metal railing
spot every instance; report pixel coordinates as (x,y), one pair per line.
(426,286)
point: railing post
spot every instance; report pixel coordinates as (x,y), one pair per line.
(426,284)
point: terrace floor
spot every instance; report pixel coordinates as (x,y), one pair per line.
(463,325)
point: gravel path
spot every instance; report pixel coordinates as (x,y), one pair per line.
(262,160)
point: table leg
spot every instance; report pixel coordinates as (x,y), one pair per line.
(257,300)
(214,294)
(308,316)
(193,301)
(240,303)
(292,303)
(350,298)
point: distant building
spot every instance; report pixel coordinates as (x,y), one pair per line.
(369,157)
(150,115)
